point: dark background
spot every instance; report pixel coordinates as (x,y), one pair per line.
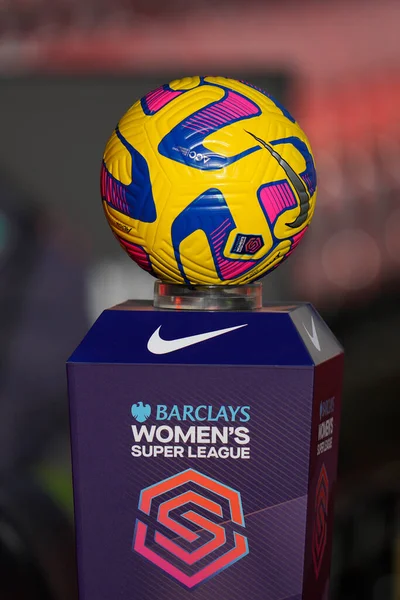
(68,71)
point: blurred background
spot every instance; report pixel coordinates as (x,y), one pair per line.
(68,70)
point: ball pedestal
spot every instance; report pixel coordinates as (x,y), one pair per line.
(207,297)
(204,447)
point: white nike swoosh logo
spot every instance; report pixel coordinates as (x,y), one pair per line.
(156,345)
(313,336)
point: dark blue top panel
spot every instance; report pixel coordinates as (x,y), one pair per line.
(136,333)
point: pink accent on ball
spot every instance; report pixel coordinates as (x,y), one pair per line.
(276,198)
(295,241)
(223,112)
(137,253)
(157,99)
(113,191)
(298,237)
(231,269)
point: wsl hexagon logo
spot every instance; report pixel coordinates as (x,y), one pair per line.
(190,526)
(320,530)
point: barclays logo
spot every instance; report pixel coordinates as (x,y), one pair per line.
(141,412)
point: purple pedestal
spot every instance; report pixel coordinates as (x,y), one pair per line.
(204,454)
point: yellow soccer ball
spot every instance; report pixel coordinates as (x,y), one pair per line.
(208,181)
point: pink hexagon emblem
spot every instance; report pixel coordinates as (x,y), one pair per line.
(189,544)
